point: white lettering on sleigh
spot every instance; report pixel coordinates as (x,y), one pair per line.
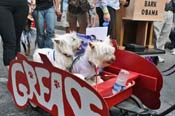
(58,92)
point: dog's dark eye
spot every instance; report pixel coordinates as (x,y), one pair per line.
(73,39)
(67,55)
(107,53)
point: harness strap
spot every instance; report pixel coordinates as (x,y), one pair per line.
(74,61)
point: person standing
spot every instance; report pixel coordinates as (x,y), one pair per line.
(172,38)
(13,14)
(78,12)
(63,17)
(172,33)
(162,29)
(106,10)
(44,16)
(92,14)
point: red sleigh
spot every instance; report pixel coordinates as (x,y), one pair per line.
(63,94)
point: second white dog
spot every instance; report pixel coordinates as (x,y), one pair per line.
(97,55)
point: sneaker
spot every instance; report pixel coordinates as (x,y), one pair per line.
(161,60)
(173,51)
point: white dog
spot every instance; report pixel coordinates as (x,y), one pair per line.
(65,47)
(97,55)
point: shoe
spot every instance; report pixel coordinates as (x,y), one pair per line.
(161,60)
(173,51)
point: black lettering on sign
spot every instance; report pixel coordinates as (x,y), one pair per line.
(149,3)
(149,12)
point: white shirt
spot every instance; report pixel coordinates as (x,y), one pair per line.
(115,4)
(83,67)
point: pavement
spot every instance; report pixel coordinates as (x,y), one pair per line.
(8,108)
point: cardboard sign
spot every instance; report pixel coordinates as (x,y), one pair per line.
(54,90)
(145,10)
(99,32)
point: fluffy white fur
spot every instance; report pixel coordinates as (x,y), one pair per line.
(96,56)
(61,56)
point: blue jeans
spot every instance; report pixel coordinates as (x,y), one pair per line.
(45,25)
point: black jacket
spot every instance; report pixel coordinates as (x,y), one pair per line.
(43,4)
(170,6)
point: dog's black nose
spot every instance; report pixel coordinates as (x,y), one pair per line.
(113,59)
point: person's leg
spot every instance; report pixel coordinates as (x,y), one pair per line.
(94,17)
(50,27)
(64,22)
(172,38)
(173,32)
(83,22)
(72,19)
(164,36)
(112,22)
(67,29)
(39,23)
(20,17)
(158,25)
(162,29)
(7,32)
(93,21)
(100,15)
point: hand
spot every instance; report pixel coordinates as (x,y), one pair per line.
(32,6)
(107,17)
(123,2)
(59,17)
(58,13)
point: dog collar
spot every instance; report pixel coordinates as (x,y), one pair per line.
(67,55)
(92,64)
(54,55)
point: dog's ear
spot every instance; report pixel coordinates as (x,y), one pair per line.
(57,41)
(108,40)
(91,45)
(55,38)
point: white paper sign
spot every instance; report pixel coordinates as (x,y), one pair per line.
(99,32)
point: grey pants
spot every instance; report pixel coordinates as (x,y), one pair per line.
(162,30)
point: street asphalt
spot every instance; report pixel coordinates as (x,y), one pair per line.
(8,108)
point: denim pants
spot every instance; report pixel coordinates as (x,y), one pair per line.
(45,25)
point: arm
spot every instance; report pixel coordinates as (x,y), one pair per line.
(104,6)
(56,4)
(32,5)
(123,2)
(106,15)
